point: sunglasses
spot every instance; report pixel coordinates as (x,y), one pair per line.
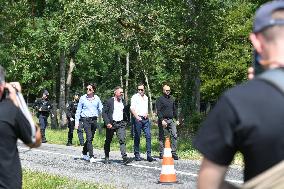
(168,90)
(89,89)
(140,89)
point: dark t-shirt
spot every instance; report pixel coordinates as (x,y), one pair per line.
(248,118)
(13,125)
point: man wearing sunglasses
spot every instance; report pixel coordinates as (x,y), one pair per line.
(88,110)
(166,112)
(139,109)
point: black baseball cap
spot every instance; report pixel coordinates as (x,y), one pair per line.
(45,92)
(263,16)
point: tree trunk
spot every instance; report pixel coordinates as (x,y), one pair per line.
(149,92)
(121,70)
(69,77)
(53,116)
(126,78)
(62,106)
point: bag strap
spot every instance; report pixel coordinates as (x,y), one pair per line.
(275,77)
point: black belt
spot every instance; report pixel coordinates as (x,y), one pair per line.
(89,118)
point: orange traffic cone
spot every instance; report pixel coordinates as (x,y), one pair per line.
(168,173)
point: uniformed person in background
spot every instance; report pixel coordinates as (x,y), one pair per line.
(43,107)
(71,111)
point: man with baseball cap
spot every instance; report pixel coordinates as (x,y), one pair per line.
(43,107)
(249,117)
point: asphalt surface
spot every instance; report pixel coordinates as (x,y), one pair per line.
(66,161)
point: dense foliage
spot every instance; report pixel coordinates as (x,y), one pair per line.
(199,47)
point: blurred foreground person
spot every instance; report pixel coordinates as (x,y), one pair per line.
(71,111)
(248,118)
(43,108)
(13,126)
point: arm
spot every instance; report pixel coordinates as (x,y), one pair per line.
(159,108)
(211,175)
(38,139)
(105,113)
(100,107)
(133,108)
(78,112)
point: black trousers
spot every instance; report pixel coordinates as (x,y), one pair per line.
(120,129)
(90,126)
(71,127)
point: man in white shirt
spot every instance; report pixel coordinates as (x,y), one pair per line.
(139,109)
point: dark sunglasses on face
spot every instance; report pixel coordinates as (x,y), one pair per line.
(168,90)
(140,89)
(89,89)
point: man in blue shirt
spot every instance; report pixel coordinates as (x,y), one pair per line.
(88,110)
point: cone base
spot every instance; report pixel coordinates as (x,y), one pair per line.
(167,183)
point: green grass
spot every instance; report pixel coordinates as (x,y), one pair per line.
(185,148)
(37,180)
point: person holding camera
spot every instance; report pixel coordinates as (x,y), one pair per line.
(88,110)
(166,111)
(115,118)
(43,108)
(249,117)
(13,126)
(71,111)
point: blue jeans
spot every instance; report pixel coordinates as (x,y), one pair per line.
(144,125)
(90,126)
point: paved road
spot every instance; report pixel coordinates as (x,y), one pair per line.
(65,161)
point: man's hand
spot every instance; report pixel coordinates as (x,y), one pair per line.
(164,123)
(109,126)
(77,126)
(138,118)
(250,73)
(71,119)
(177,122)
(12,93)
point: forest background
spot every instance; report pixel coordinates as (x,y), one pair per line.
(199,48)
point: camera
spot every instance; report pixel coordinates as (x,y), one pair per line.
(258,69)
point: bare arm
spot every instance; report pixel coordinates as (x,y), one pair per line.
(211,175)
(38,139)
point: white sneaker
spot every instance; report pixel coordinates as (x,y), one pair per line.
(85,157)
(92,160)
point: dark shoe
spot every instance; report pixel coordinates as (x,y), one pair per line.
(44,141)
(69,144)
(127,160)
(150,159)
(161,156)
(175,156)
(107,160)
(138,158)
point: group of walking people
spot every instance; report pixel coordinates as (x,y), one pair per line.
(83,113)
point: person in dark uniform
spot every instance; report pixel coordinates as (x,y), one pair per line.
(248,118)
(115,116)
(13,126)
(166,111)
(43,108)
(88,110)
(71,111)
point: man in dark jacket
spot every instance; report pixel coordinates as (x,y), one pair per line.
(167,112)
(115,118)
(43,107)
(71,111)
